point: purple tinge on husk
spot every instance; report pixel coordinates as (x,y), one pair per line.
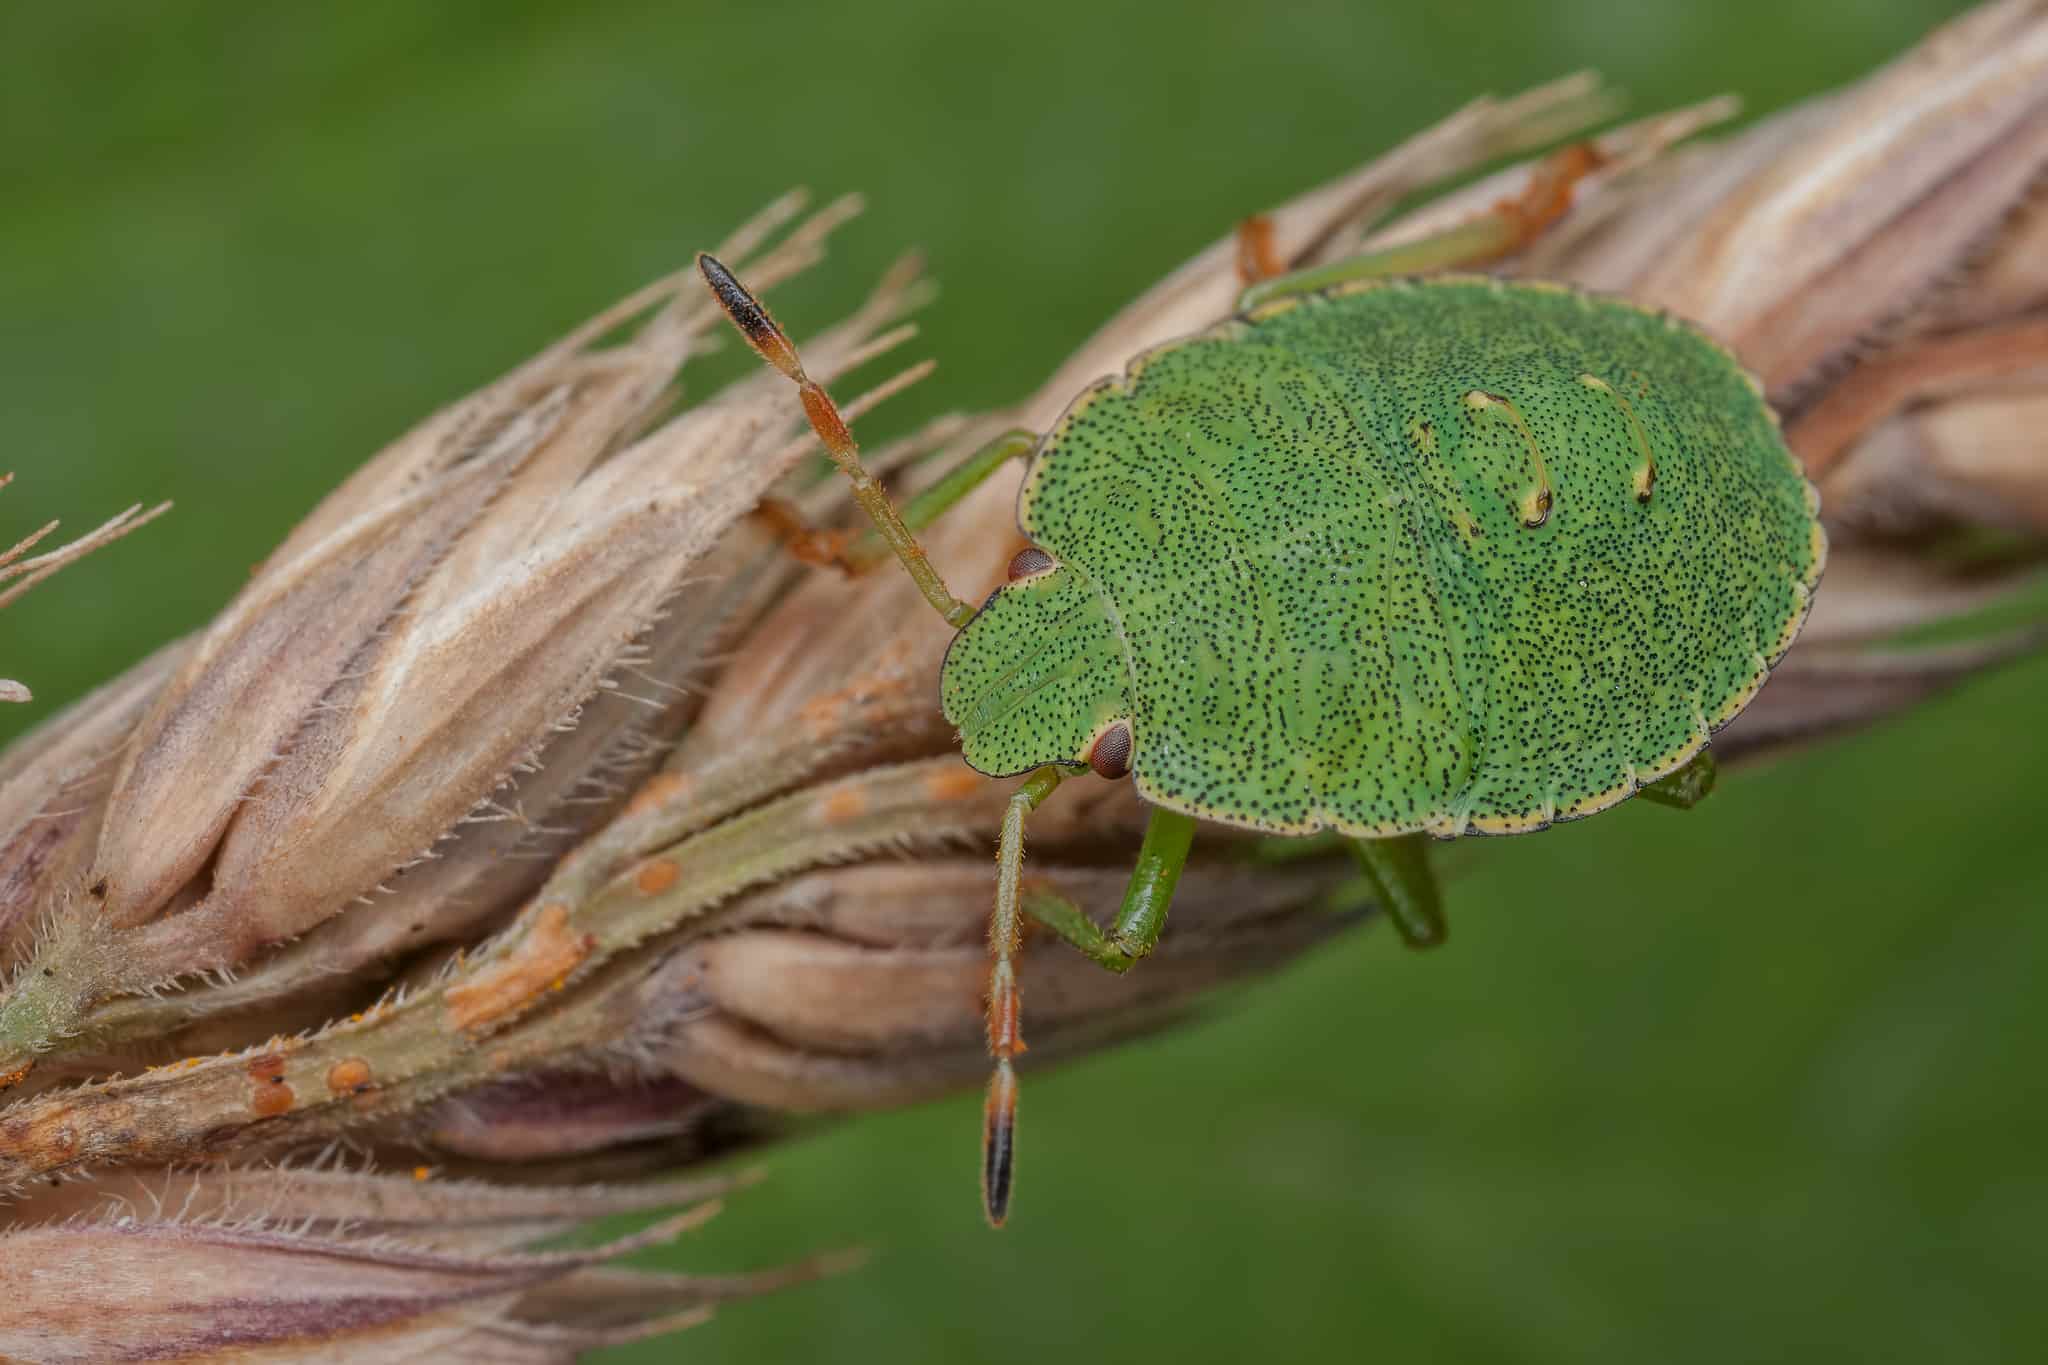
(532,820)
(293,1263)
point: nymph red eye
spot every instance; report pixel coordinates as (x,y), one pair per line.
(1030,560)
(1110,755)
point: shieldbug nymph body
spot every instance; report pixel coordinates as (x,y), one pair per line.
(1398,557)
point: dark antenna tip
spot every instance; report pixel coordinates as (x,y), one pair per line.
(749,316)
(999,1143)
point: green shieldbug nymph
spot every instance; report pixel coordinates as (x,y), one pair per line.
(1393,557)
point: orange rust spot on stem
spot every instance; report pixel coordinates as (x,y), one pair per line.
(656,875)
(273,1099)
(656,791)
(271,1096)
(954,786)
(848,803)
(16,1076)
(823,718)
(1257,256)
(349,1076)
(547,952)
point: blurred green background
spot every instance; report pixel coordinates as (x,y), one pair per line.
(1759,1083)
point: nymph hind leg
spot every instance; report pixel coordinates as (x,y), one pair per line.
(1503,230)
(1406,889)
(1687,787)
(1146,899)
